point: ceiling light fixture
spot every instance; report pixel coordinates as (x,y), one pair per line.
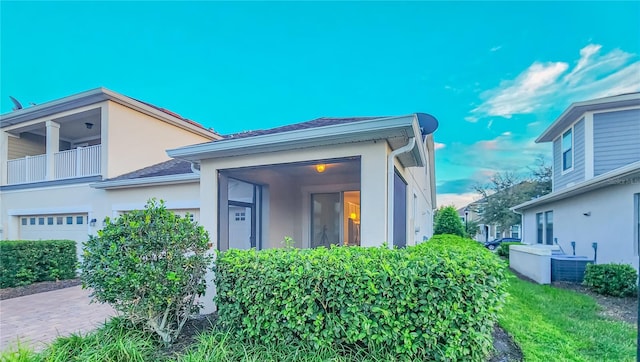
(321,167)
(89,125)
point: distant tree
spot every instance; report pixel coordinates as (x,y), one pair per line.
(541,174)
(506,190)
(447,221)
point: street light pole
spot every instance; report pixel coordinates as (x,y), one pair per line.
(466,219)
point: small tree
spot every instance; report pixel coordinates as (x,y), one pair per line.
(447,221)
(471,228)
(149,265)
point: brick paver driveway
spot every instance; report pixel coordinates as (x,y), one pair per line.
(39,318)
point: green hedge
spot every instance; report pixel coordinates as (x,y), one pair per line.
(23,262)
(503,249)
(618,280)
(438,300)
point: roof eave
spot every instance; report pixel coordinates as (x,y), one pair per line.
(146,181)
(374,129)
(577,109)
(94,96)
(589,185)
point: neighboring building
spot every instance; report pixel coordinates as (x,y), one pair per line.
(486,231)
(596,182)
(68,164)
(51,153)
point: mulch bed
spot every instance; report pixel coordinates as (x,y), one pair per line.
(8,293)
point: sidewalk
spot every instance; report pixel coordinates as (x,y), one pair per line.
(34,320)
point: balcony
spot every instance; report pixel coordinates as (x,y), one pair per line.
(79,162)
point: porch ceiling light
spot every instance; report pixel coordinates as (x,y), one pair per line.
(321,167)
(89,125)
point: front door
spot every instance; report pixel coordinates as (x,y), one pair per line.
(335,218)
(325,219)
(243,220)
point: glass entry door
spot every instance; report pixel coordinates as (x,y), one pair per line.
(334,221)
(325,219)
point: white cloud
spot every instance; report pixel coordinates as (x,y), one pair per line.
(496,48)
(503,153)
(471,119)
(539,87)
(457,200)
(439,146)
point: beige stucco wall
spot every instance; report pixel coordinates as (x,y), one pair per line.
(287,221)
(98,204)
(135,140)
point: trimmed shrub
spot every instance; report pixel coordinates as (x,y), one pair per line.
(438,300)
(447,221)
(503,250)
(618,280)
(23,262)
(149,265)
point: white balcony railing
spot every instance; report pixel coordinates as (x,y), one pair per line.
(79,162)
(27,169)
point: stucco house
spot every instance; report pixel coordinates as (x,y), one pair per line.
(68,164)
(51,153)
(596,182)
(473,212)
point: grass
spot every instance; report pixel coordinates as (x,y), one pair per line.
(118,341)
(219,346)
(551,324)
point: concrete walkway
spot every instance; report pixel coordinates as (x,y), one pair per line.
(34,320)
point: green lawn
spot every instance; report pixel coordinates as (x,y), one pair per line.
(552,324)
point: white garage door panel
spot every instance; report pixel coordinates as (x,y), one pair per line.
(56,227)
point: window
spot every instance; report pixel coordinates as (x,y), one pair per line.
(59,220)
(24,221)
(240,216)
(79,220)
(548,218)
(515,231)
(40,221)
(567,150)
(50,220)
(544,222)
(69,220)
(32,221)
(540,225)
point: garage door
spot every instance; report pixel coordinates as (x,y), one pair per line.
(56,227)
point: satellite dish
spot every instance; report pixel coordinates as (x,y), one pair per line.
(428,123)
(16,104)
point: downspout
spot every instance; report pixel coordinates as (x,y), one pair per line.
(521,225)
(194,169)
(390,169)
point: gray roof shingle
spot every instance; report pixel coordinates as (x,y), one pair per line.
(167,168)
(177,167)
(319,122)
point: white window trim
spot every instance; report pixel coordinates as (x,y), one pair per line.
(573,158)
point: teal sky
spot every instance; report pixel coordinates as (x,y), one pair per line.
(495,74)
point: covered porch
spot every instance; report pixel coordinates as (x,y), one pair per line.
(63,147)
(316,203)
